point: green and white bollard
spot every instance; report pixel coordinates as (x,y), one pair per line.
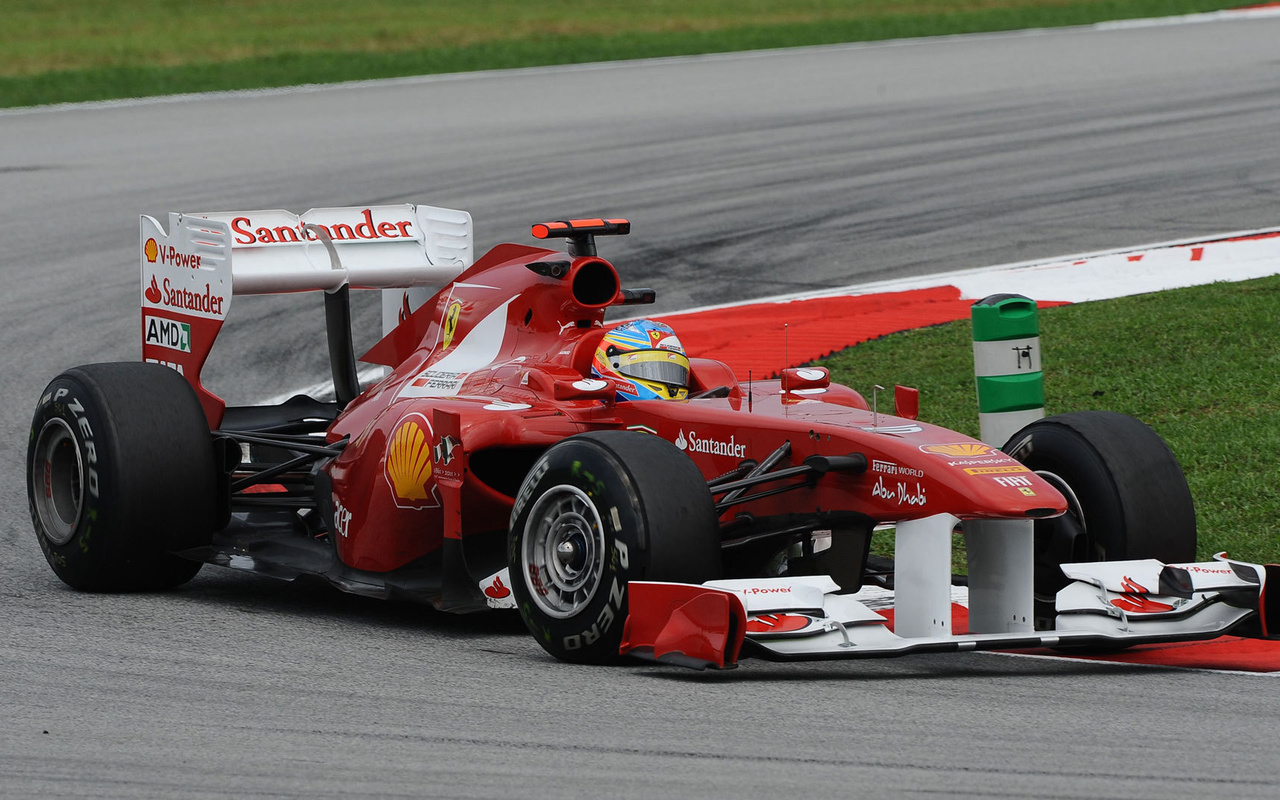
(1006,362)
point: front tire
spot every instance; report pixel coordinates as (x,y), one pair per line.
(1127,496)
(595,512)
(120,471)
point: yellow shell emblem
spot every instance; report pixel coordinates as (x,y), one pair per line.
(151,250)
(409,461)
(451,322)
(960,450)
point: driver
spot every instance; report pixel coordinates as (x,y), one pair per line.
(644,360)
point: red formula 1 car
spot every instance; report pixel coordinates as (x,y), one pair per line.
(521,452)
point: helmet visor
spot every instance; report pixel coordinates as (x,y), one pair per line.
(664,366)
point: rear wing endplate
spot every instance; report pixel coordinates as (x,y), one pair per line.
(191,271)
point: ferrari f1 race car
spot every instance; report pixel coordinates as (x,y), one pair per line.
(627,497)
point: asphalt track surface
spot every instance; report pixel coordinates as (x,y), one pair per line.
(744,176)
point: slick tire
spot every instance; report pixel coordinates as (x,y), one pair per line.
(1127,496)
(595,512)
(120,471)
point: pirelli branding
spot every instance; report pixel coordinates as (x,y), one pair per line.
(1007,470)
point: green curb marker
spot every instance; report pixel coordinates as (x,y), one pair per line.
(1006,363)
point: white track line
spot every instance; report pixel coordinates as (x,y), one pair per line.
(1103,660)
(1228,15)
(1222,260)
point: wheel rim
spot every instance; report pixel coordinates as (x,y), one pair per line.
(563,551)
(58,473)
(1064,488)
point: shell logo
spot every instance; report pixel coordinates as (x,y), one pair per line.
(151,250)
(451,323)
(960,449)
(409,465)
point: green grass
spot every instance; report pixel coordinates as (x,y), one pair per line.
(1200,365)
(90,50)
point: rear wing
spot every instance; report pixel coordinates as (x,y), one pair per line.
(191,272)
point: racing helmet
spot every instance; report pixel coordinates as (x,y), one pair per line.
(644,360)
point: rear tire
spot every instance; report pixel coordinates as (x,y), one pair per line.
(121,471)
(1127,496)
(597,511)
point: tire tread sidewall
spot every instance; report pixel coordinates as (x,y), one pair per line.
(137,430)
(657,526)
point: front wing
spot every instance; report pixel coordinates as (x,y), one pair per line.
(1106,604)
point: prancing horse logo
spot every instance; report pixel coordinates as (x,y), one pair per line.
(451,322)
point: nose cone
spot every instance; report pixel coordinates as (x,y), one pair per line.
(916,469)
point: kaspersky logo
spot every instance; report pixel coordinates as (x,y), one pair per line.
(169,333)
